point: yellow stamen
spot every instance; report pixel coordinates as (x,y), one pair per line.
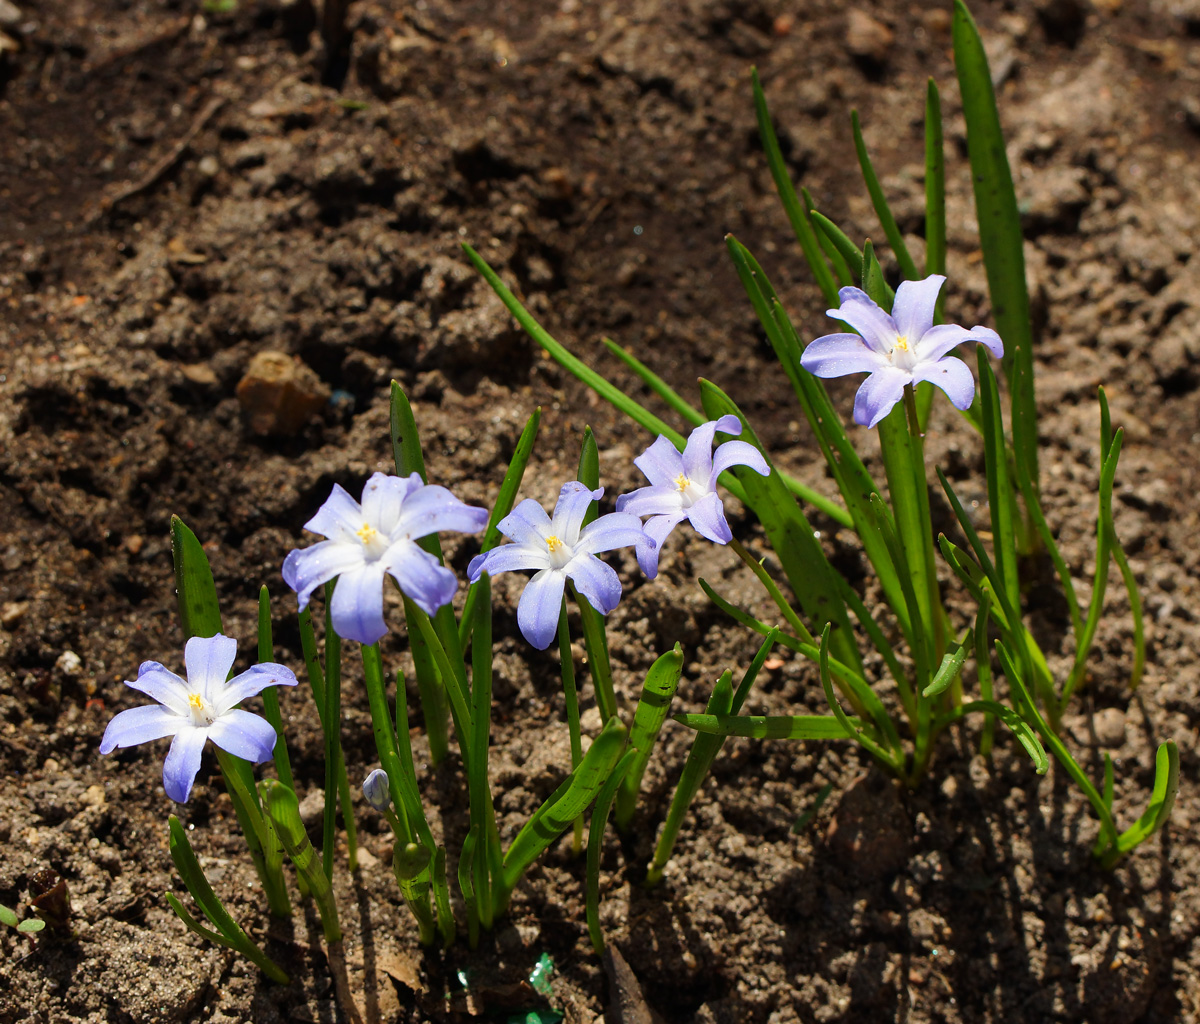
(681,482)
(553,544)
(902,343)
(367,533)
(196,701)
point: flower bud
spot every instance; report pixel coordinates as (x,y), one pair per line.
(375,789)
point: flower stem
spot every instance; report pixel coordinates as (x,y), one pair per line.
(776,594)
(572,699)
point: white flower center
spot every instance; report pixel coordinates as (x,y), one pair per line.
(203,713)
(689,491)
(374,543)
(902,355)
(560,551)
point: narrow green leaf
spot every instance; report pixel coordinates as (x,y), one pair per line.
(8,916)
(776,727)
(935,185)
(566,803)
(790,535)
(1001,498)
(270,696)
(657,691)
(889,760)
(1162,798)
(999,232)
(951,666)
(604,802)
(850,253)
(908,269)
(787,195)
(466,884)
(834,253)
(700,757)
(1024,733)
(182,913)
(656,384)
(33,925)
(505,500)
(199,613)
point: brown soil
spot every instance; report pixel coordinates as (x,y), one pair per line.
(179,192)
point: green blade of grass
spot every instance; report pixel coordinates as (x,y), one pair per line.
(657,691)
(891,230)
(999,233)
(775,727)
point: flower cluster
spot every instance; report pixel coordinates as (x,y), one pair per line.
(364,542)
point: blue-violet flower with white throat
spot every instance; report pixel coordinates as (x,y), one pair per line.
(202,707)
(365,542)
(897,350)
(560,549)
(683,485)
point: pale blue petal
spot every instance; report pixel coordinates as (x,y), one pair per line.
(595,581)
(878,394)
(163,685)
(537,611)
(738,453)
(708,517)
(183,762)
(305,569)
(140,725)
(656,530)
(527,524)
(574,500)
(939,340)
(989,339)
(913,308)
(836,355)
(952,376)
(209,661)
(877,328)
(244,735)
(506,558)
(661,463)
(659,500)
(432,509)
(697,453)
(385,497)
(252,682)
(339,515)
(421,576)
(615,530)
(357,606)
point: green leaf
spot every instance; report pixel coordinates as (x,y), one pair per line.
(270,696)
(1021,729)
(599,823)
(948,671)
(776,727)
(566,803)
(657,691)
(790,535)
(999,232)
(889,760)
(700,757)
(935,186)
(8,917)
(283,809)
(199,613)
(656,384)
(1162,798)
(505,500)
(908,269)
(1001,498)
(787,194)
(834,253)
(192,924)
(849,252)
(33,925)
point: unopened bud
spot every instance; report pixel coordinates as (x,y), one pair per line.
(375,789)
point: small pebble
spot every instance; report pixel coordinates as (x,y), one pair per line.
(10,14)
(69,664)
(866,37)
(1109,726)
(11,612)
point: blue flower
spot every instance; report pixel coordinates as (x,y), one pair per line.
(202,707)
(377,537)
(560,549)
(897,350)
(684,486)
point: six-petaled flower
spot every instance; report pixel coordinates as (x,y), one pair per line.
(559,549)
(897,351)
(379,537)
(683,485)
(202,707)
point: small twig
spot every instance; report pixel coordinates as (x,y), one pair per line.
(163,165)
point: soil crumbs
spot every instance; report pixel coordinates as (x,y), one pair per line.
(181,194)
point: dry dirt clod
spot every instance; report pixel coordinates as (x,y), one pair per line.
(1109,727)
(867,38)
(279,393)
